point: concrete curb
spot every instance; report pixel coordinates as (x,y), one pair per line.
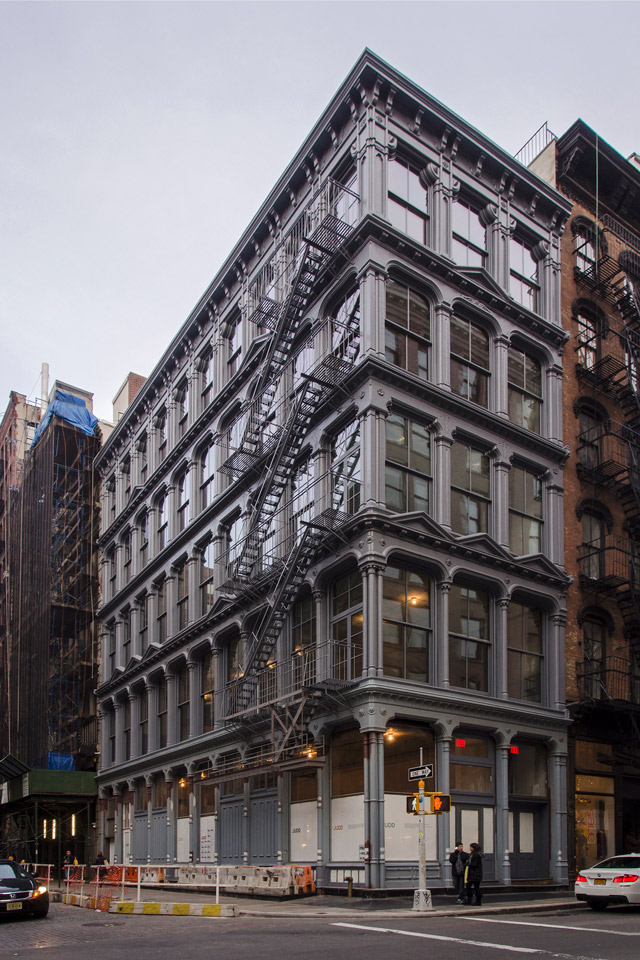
(338,913)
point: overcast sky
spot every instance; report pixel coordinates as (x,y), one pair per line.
(139,139)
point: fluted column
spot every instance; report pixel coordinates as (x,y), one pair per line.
(441,337)
(119,718)
(443,752)
(442,481)
(172,713)
(171,820)
(552,409)
(503,862)
(440,634)
(501,376)
(195,700)
(501,652)
(501,469)
(558,811)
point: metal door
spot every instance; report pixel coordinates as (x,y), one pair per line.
(263,830)
(528,847)
(474,824)
(230,832)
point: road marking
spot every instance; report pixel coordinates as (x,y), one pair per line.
(555,926)
(434,936)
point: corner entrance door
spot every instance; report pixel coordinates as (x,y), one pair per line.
(474,824)
(528,842)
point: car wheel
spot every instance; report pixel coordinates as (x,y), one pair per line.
(41,914)
(598,904)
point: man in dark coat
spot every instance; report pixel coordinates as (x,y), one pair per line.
(458,859)
(474,874)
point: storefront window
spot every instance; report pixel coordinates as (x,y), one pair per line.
(402,745)
(471,766)
(595,827)
(347,766)
(528,770)
(304,786)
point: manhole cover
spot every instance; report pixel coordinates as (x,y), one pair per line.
(105,923)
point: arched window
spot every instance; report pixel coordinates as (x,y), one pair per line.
(469,638)
(524,652)
(162,522)
(345,328)
(469,366)
(525,511)
(406,624)
(525,389)
(407,203)
(345,468)
(523,274)
(470,489)
(182,500)
(469,244)
(183,699)
(207,461)
(408,465)
(143,538)
(347,626)
(592,554)
(591,326)
(206,578)
(407,330)
(207,691)
(594,646)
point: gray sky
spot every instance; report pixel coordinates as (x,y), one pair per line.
(138,140)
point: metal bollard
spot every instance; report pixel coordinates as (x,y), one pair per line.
(349,886)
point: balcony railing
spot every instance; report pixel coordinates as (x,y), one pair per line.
(329,666)
(609,679)
(604,453)
(606,563)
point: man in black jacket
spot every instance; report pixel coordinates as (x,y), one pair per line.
(458,859)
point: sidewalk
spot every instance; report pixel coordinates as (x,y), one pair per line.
(187,903)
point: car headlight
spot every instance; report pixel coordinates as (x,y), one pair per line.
(39,891)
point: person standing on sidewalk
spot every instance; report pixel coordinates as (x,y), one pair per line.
(458,859)
(474,875)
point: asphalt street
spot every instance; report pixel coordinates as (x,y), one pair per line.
(77,934)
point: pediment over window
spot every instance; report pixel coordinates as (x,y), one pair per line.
(481,276)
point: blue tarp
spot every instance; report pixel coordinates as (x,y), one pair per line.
(69,408)
(60,761)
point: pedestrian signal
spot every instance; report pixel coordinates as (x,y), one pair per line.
(440,803)
(413,803)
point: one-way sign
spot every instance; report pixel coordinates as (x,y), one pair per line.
(421,773)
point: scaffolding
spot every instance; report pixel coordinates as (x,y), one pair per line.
(52,661)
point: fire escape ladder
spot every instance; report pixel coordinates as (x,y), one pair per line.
(284,319)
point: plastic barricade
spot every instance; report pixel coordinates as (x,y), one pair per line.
(304,879)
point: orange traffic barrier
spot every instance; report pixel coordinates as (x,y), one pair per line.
(131,874)
(304,879)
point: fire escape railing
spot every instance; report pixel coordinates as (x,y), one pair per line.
(608,679)
(273,438)
(332,665)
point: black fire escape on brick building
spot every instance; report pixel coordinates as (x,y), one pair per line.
(291,517)
(608,362)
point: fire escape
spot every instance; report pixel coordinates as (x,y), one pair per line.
(609,451)
(273,430)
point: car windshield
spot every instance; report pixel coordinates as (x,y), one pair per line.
(616,863)
(7,871)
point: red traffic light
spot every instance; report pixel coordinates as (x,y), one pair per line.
(440,803)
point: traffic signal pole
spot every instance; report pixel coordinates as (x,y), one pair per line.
(422,863)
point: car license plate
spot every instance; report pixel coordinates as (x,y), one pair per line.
(600,881)
(14,906)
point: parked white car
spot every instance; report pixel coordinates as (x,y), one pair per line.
(614,880)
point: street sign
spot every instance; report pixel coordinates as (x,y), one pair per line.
(421,773)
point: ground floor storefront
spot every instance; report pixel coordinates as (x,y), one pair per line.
(342,807)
